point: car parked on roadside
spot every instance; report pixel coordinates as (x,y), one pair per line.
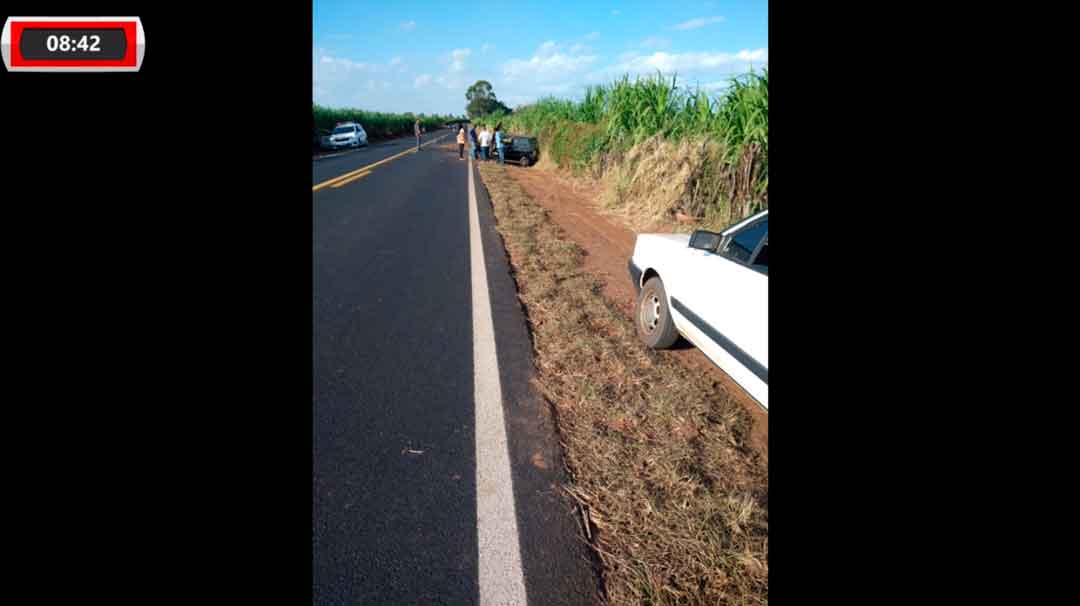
(520,149)
(713,289)
(347,134)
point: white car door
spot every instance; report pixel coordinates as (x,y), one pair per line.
(727,306)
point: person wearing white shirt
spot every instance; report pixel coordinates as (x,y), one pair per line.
(485,142)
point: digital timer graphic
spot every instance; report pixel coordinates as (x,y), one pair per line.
(73,44)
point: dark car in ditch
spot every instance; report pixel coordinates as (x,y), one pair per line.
(521,149)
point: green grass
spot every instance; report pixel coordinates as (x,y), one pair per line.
(378,125)
(610,119)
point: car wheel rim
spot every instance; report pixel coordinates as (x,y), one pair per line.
(650,312)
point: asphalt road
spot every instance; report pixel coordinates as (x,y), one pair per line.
(394,519)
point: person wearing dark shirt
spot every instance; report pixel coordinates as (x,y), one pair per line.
(499,142)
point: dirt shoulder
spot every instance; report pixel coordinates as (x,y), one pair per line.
(608,244)
(673,498)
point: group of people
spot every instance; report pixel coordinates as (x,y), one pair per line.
(482,142)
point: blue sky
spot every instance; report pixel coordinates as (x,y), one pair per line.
(421,56)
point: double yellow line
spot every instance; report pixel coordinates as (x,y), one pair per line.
(363,171)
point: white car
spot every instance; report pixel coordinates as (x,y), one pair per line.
(347,134)
(713,289)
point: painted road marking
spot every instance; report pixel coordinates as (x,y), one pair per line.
(323,157)
(351,179)
(411,150)
(501,581)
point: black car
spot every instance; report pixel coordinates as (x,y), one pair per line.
(520,149)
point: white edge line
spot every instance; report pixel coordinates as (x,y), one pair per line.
(501,580)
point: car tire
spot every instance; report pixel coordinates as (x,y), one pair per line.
(524,161)
(653,319)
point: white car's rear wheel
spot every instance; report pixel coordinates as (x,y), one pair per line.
(654,324)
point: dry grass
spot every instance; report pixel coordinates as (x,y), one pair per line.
(653,181)
(665,147)
(658,179)
(659,185)
(659,458)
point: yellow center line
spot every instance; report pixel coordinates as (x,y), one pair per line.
(340,180)
(351,179)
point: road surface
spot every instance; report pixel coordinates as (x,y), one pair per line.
(428,440)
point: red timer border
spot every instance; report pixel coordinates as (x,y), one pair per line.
(16,37)
(130,61)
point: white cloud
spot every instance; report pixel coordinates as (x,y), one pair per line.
(331,64)
(408,26)
(634,63)
(553,69)
(591,36)
(348,65)
(548,63)
(453,81)
(457,59)
(457,74)
(717,86)
(655,42)
(696,23)
(381,88)
(486,47)
(516,100)
(760,55)
(553,89)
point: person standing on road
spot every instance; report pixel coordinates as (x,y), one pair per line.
(499,142)
(475,143)
(485,142)
(461,143)
(416,129)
